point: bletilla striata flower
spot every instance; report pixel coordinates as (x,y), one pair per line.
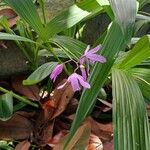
(57,70)
(77,81)
(90,57)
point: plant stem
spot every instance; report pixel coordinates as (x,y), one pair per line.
(42,4)
(20,98)
(51,50)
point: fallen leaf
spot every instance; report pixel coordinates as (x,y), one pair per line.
(108,145)
(16,128)
(79,141)
(43,133)
(95,143)
(25,145)
(72,107)
(56,139)
(10,15)
(58,101)
(103,130)
(31,92)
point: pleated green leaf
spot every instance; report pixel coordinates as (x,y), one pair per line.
(139,53)
(72,16)
(115,41)
(130,121)
(40,73)
(27,11)
(142,75)
(6,106)
(125,13)
(143,2)
(111,47)
(7,36)
(71,47)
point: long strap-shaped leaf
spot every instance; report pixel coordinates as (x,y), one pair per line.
(72,48)
(112,45)
(131,127)
(73,15)
(27,11)
(114,42)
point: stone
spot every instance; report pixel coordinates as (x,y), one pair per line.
(12,61)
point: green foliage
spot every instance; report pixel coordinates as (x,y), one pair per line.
(40,73)
(8,36)
(98,75)
(140,52)
(72,16)
(27,11)
(114,42)
(71,47)
(4,145)
(131,126)
(142,75)
(130,82)
(6,106)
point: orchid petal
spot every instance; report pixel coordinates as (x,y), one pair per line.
(57,70)
(75,85)
(82,60)
(87,49)
(83,83)
(61,86)
(83,72)
(95,57)
(73,79)
(94,50)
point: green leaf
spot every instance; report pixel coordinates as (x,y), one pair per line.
(142,76)
(125,13)
(130,121)
(58,52)
(139,53)
(111,46)
(115,41)
(72,16)
(143,2)
(71,47)
(7,36)
(40,73)
(6,106)
(128,12)
(79,141)
(143,17)
(27,11)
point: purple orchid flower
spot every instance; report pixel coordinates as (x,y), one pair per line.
(90,56)
(76,81)
(83,72)
(57,70)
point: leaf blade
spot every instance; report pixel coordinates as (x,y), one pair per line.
(40,73)
(6,106)
(130,120)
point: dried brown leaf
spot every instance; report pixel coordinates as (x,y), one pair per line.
(57,138)
(31,92)
(103,130)
(58,101)
(10,15)
(24,145)
(79,141)
(95,143)
(16,128)
(108,146)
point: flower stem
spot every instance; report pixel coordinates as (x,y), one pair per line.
(42,4)
(20,98)
(51,50)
